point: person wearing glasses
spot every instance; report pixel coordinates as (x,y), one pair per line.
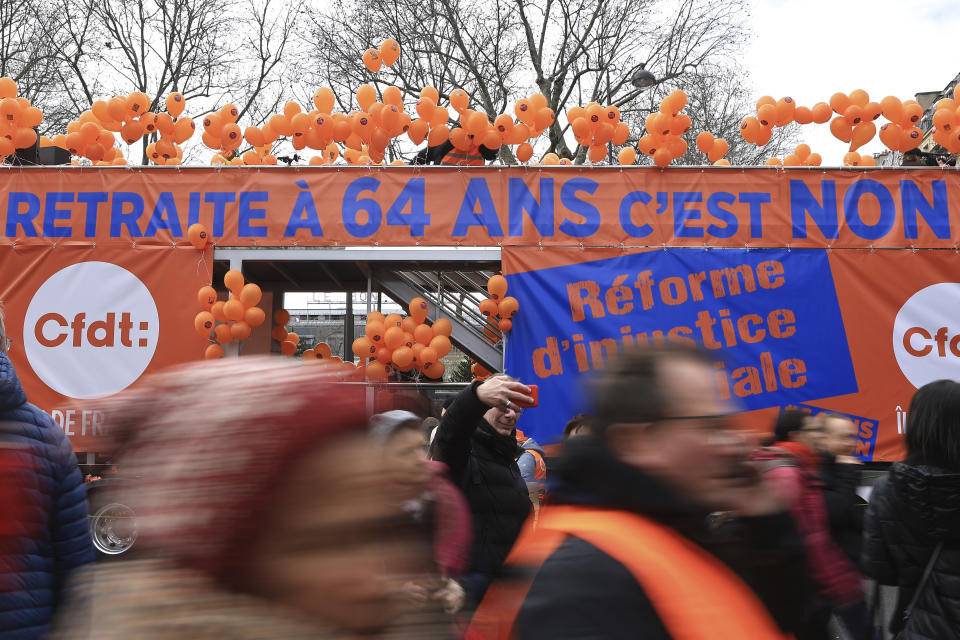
(629,545)
(54,537)
(793,463)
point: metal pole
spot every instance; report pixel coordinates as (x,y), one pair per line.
(609,102)
(348,329)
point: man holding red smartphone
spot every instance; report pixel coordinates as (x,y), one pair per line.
(477,441)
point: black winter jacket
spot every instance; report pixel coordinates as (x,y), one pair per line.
(911,510)
(483,464)
(845,509)
(581,592)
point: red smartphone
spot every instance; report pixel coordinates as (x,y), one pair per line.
(533,394)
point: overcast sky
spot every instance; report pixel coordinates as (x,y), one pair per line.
(810,49)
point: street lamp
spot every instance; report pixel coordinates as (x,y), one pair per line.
(642,78)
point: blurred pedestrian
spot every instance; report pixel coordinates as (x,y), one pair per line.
(792,464)
(626,548)
(261,512)
(533,467)
(437,512)
(579,425)
(912,526)
(477,441)
(50,538)
(841,473)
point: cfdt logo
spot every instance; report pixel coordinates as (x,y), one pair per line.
(926,334)
(91,330)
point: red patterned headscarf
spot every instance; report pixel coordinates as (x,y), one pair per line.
(209,443)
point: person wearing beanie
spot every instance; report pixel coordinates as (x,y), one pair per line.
(477,441)
(258,515)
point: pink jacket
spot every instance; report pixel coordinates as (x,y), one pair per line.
(794,476)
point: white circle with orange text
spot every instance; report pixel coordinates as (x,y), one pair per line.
(91,330)
(926,334)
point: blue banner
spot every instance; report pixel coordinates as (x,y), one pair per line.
(770,318)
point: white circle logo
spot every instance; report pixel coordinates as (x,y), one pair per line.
(926,334)
(91,330)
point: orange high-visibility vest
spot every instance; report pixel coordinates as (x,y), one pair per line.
(459,157)
(696,596)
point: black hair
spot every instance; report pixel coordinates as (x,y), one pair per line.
(577,421)
(788,422)
(630,390)
(933,425)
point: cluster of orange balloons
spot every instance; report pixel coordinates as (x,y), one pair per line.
(946,119)
(397,343)
(854,120)
(289,341)
(497,305)
(801,157)
(17,119)
(594,126)
(173,131)
(230,319)
(663,141)
(222,134)
(714,147)
(772,113)
(854,159)
(387,54)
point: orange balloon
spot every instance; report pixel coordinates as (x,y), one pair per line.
(803,115)
(418,308)
(372,60)
(862,134)
(204,322)
(363,348)
(524,152)
(233,280)
(233,309)
(288,348)
(409,325)
(505,325)
(423,334)
(217,311)
(240,330)
(662,157)
(720,148)
(442,327)
(278,333)
(197,235)
(374,331)
(222,333)
(393,337)
(841,129)
(436,370)
(459,100)
(250,295)
(627,156)
(488,307)
(213,352)
(705,142)
(389,51)
(175,104)
(509,306)
(403,358)
(597,153)
(254,316)
(428,356)
(281,316)
(376,372)
(440,344)
(207,296)
(392,320)
(323,350)
(497,286)
(839,102)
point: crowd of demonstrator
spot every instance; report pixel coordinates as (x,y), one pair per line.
(269,505)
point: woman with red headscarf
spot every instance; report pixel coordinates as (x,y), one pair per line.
(260,512)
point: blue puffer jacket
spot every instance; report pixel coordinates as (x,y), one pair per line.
(60,503)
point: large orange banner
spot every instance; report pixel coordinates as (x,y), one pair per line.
(849,331)
(509,206)
(87,322)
